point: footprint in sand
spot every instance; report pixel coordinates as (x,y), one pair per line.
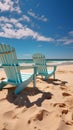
(4,129)
(63,87)
(5,126)
(10,114)
(66,94)
(69,123)
(64,111)
(60,104)
(36,128)
(10,118)
(68,119)
(38,116)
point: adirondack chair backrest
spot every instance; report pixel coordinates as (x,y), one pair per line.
(10,63)
(40,61)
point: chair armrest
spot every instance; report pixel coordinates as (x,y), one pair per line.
(51,65)
(25,67)
(20,67)
(29,67)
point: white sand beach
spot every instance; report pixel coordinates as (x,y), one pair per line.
(48,107)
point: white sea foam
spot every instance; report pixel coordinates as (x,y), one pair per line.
(61,63)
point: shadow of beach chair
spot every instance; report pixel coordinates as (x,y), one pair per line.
(40,62)
(12,69)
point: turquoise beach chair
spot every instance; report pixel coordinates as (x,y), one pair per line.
(12,69)
(40,62)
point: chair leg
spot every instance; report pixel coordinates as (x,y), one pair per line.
(24,84)
(20,87)
(34,80)
(54,76)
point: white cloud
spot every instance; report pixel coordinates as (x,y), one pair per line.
(9,5)
(38,17)
(12,28)
(65,40)
(71,33)
(13,20)
(25,18)
(3,19)
(68,41)
(44,39)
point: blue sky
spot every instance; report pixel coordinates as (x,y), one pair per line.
(32,26)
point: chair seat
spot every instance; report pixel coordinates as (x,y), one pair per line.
(50,71)
(24,78)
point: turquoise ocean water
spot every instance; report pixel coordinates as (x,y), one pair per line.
(28,61)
